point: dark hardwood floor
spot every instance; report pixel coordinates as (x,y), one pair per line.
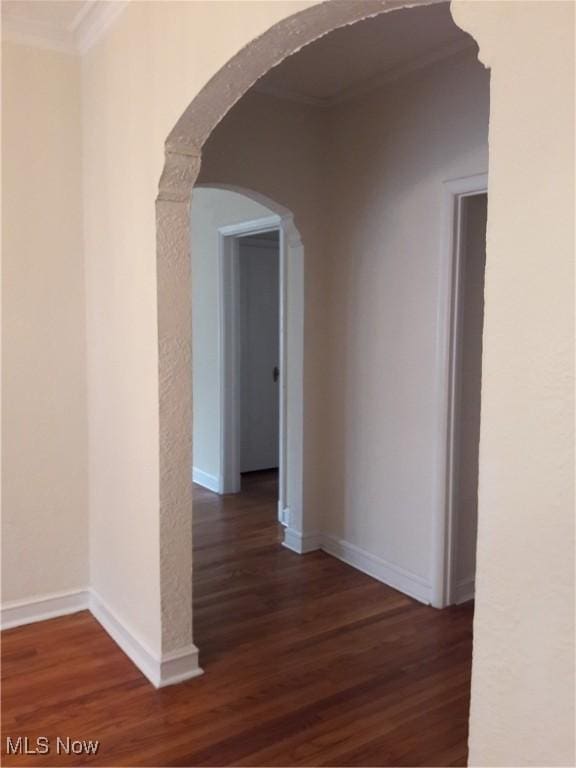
(307,662)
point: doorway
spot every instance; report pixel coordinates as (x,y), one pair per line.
(374,472)
(259,351)
(248,261)
(253,342)
(468,203)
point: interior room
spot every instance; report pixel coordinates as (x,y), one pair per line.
(287,463)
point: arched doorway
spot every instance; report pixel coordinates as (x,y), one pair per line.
(230,223)
(183,155)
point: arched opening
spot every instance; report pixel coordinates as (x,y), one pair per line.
(254,425)
(418,284)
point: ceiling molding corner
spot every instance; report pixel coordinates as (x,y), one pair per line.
(398,72)
(379,80)
(94,17)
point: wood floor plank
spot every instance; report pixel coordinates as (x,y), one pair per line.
(307,662)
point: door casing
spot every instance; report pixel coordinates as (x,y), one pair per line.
(450,308)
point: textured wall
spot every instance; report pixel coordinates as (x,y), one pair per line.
(44,433)
(523,671)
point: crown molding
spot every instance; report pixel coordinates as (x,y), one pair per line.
(94,17)
(405,68)
(357,90)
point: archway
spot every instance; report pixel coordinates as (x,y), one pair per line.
(183,155)
(291,356)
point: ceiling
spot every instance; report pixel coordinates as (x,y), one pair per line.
(362,56)
(343,63)
(64,25)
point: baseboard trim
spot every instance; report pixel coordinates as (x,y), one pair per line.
(168,669)
(299,542)
(464,591)
(392,575)
(178,666)
(210,482)
(19,612)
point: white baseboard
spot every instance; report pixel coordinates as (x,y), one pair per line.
(211,482)
(404,581)
(177,666)
(300,543)
(182,664)
(18,612)
(464,591)
(168,669)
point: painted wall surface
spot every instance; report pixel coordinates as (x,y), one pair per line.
(211,209)
(44,430)
(388,158)
(376,166)
(522,710)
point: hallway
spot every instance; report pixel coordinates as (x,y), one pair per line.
(307,662)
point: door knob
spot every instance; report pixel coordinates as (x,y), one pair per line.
(275,373)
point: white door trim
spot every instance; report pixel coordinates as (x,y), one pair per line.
(449,308)
(290,432)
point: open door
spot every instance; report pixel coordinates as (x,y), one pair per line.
(259,287)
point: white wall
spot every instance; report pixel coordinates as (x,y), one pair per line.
(44,429)
(389,156)
(211,209)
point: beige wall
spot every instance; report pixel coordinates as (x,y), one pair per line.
(365,184)
(389,154)
(44,437)
(523,671)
